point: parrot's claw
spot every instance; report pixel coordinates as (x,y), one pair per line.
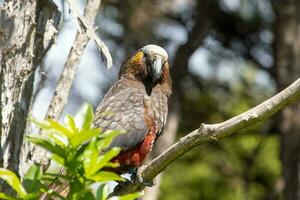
(133,172)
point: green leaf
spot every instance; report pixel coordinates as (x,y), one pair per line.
(32,178)
(58,159)
(84,136)
(42,124)
(105,176)
(85,116)
(90,154)
(59,139)
(103,159)
(12,179)
(112,164)
(47,144)
(88,116)
(110,134)
(32,196)
(71,123)
(55,126)
(4,196)
(130,196)
(107,137)
(102,192)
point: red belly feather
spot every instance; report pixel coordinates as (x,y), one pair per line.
(135,156)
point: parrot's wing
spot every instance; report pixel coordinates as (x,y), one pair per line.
(122,109)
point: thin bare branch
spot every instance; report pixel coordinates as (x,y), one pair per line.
(61,94)
(86,28)
(211,133)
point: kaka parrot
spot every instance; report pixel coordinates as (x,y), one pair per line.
(138,104)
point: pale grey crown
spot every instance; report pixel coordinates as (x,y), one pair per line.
(153,49)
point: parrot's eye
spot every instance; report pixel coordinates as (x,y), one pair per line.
(145,57)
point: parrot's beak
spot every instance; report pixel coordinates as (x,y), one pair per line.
(156,68)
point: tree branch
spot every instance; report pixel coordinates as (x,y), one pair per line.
(61,94)
(90,32)
(27,31)
(210,133)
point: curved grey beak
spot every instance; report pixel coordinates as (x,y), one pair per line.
(157,67)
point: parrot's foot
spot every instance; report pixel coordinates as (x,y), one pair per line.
(132,171)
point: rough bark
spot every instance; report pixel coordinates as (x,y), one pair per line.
(287,62)
(210,133)
(26,33)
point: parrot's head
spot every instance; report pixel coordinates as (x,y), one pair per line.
(155,59)
(148,65)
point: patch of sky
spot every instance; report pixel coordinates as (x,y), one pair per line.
(230,5)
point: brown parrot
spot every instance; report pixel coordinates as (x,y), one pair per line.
(138,104)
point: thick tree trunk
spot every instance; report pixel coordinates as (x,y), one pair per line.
(287,62)
(26,33)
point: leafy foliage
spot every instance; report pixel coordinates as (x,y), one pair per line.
(79,150)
